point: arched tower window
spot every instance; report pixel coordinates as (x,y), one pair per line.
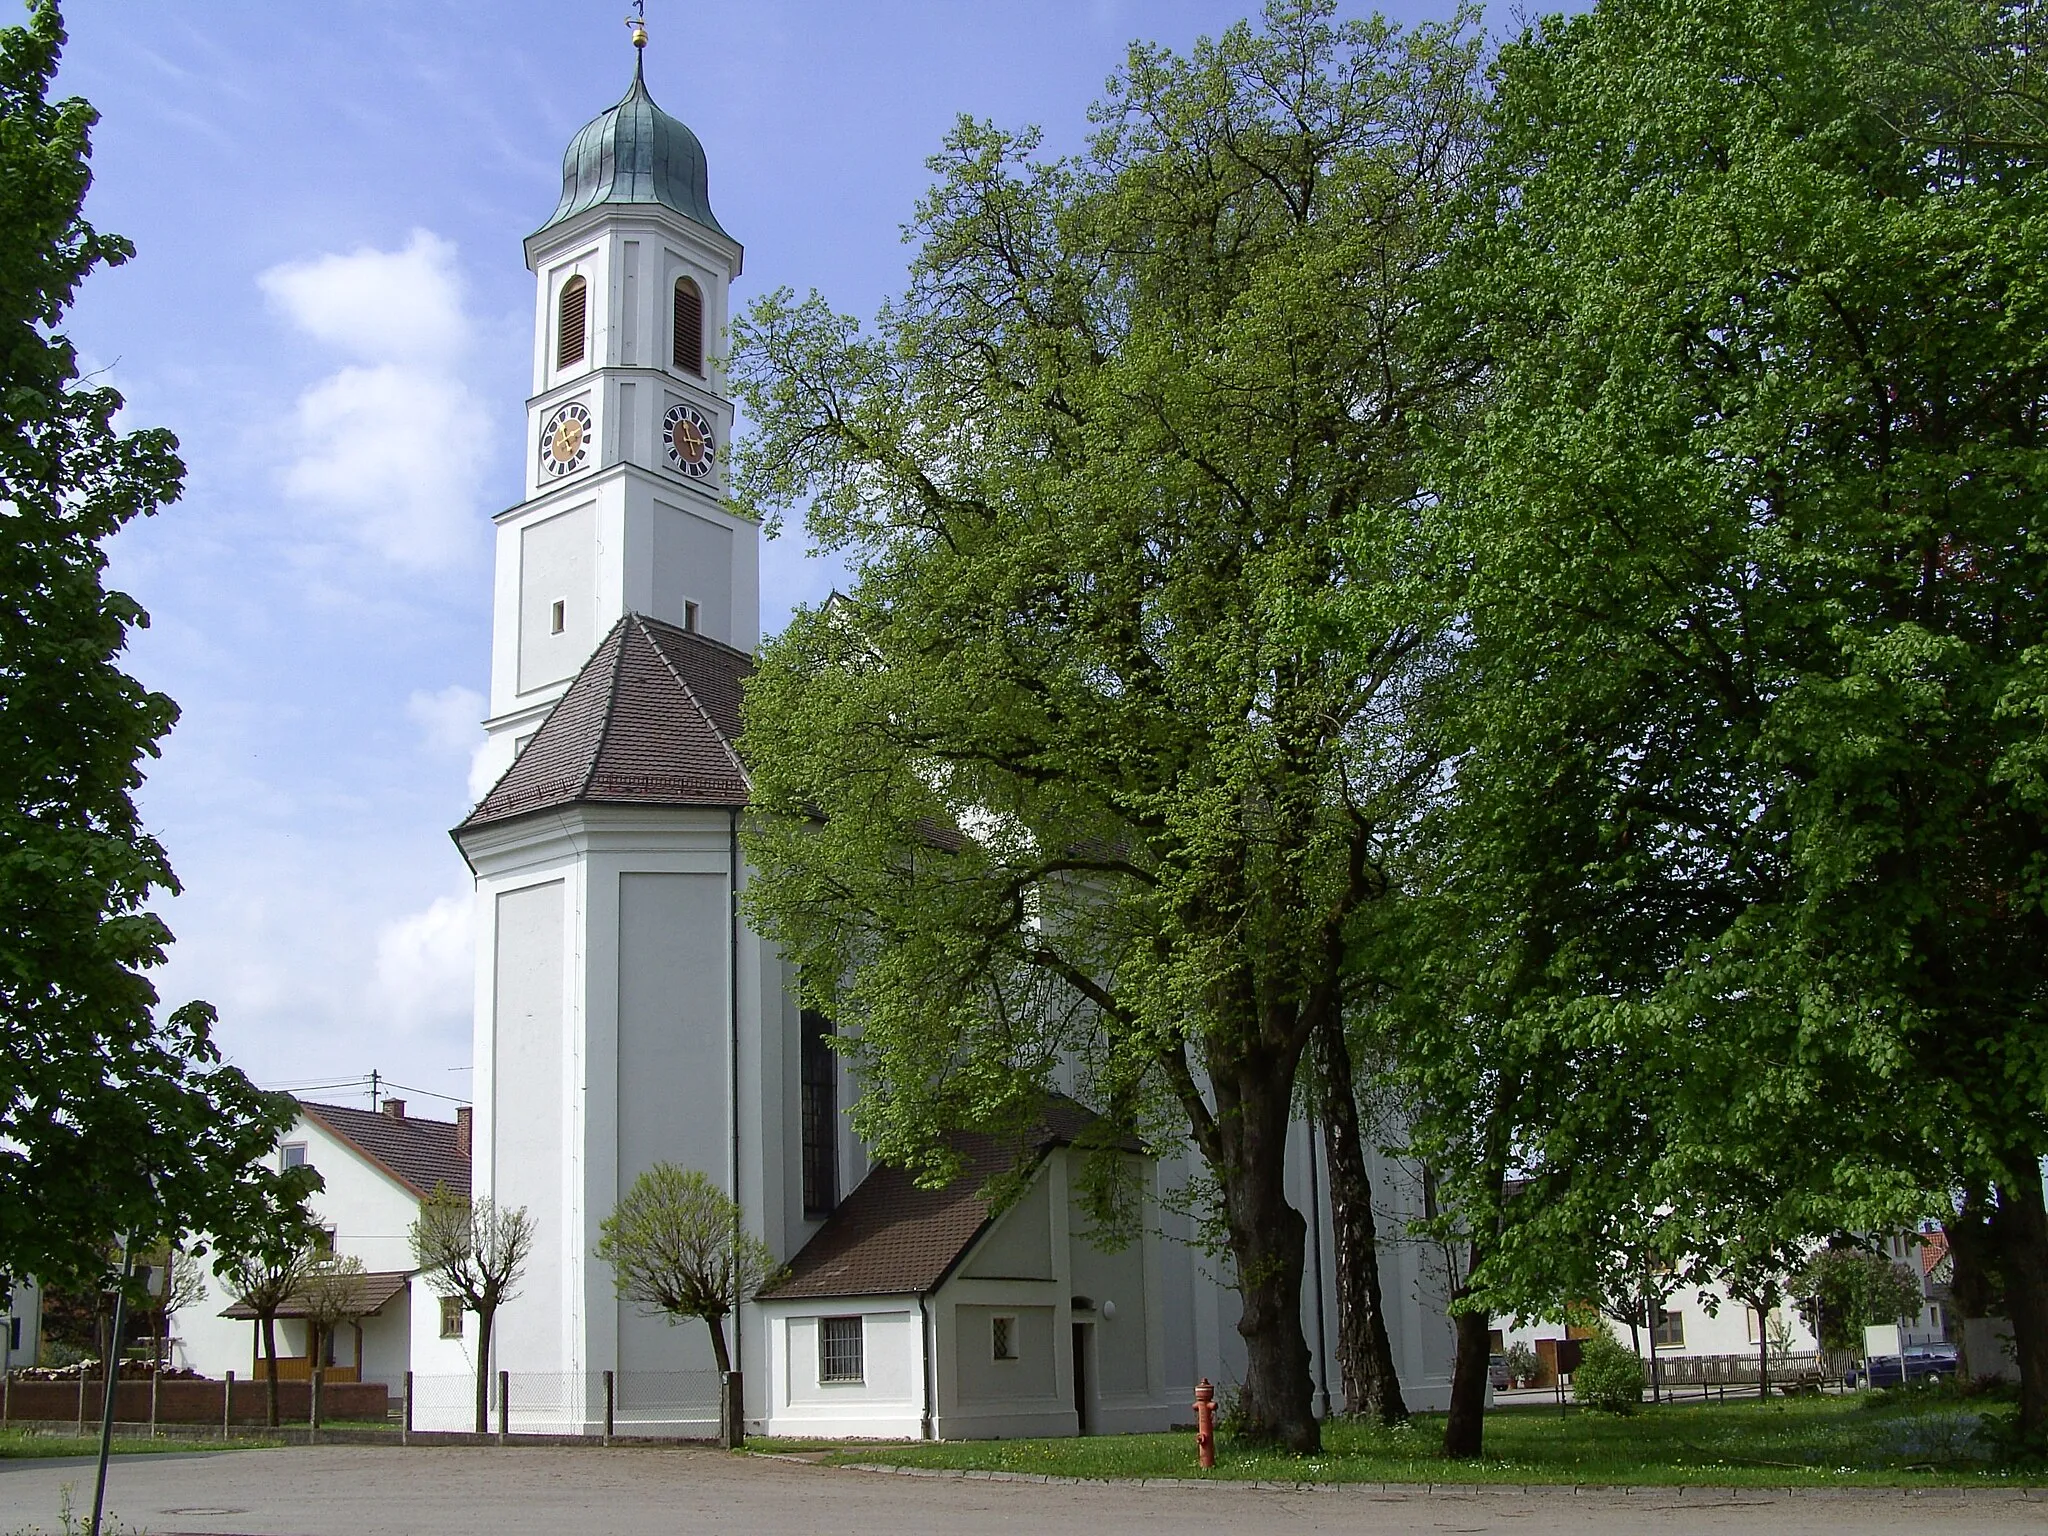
(569,325)
(689,327)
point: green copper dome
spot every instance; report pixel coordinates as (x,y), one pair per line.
(635,153)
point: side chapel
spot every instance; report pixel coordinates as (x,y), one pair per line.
(626,1013)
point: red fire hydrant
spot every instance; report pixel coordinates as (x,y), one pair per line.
(1205,1424)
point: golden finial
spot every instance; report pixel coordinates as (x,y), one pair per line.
(638,22)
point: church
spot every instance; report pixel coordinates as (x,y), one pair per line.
(625,1012)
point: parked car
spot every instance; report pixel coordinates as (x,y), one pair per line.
(1497,1371)
(1921,1363)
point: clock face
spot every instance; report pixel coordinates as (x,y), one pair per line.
(565,439)
(691,446)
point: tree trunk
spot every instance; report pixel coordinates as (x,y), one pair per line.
(1269,1246)
(484,1316)
(2021,1227)
(1465,1428)
(1763,1354)
(718,1349)
(1973,1289)
(270,1369)
(1365,1355)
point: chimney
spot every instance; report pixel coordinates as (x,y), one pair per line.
(395,1108)
(462,1131)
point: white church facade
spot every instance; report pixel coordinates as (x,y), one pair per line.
(627,1014)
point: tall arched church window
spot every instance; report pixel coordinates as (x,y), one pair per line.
(570,322)
(689,327)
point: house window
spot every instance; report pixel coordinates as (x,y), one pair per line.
(13,1333)
(451,1317)
(1002,1333)
(689,349)
(1669,1333)
(690,617)
(558,616)
(323,1240)
(569,327)
(293,1154)
(839,1351)
(818,1071)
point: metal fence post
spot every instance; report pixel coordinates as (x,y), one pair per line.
(82,1373)
(504,1404)
(405,1424)
(227,1406)
(611,1402)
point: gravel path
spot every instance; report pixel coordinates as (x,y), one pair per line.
(532,1491)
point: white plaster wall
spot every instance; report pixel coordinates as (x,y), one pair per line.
(886,1404)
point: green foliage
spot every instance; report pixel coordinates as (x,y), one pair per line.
(1609,1376)
(1086,766)
(677,1246)
(112,1118)
(1845,1290)
(1522,1362)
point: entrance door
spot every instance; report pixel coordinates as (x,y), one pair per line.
(1084,1382)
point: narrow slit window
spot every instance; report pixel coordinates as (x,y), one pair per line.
(1003,1338)
(558,616)
(839,1350)
(690,617)
(818,1072)
(570,325)
(689,349)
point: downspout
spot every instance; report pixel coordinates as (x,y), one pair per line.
(732,880)
(924,1317)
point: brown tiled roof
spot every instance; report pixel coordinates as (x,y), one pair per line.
(379,1286)
(891,1238)
(417,1153)
(650,720)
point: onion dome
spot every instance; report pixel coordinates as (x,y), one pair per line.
(636,153)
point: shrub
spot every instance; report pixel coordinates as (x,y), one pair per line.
(1609,1377)
(1522,1362)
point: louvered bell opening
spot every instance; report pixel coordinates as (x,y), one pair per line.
(569,333)
(689,327)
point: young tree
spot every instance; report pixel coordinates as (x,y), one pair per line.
(265,1274)
(677,1247)
(475,1250)
(1087,766)
(1748,521)
(175,1282)
(334,1290)
(1844,1290)
(112,1117)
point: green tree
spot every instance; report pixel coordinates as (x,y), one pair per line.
(677,1247)
(1749,520)
(112,1117)
(1844,1290)
(1086,766)
(474,1249)
(265,1271)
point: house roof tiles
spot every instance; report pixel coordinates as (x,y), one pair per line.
(417,1153)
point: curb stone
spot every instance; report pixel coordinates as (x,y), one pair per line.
(1756,1494)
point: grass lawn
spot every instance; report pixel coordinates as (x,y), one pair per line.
(1853,1441)
(16,1443)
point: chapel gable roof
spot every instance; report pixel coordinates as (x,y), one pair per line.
(891,1238)
(419,1154)
(652,719)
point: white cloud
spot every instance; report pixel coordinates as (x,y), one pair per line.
(378,305)
(425,964)
(448,718)
(392,447)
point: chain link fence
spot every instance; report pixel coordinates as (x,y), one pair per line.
(679,1404)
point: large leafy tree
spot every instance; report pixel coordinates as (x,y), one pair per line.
(1752,521)
(114,1117)
(1086,774)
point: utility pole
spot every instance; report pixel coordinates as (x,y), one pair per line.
(375,1080)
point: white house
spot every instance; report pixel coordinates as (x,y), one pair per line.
(376,1168)
(627,1014)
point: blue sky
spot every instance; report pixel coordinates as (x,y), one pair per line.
(329,307)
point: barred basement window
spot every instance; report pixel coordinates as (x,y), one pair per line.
(689,337)
(451,1317)
(570,326)
(1002,1338)
(839,1350)
(818,1074)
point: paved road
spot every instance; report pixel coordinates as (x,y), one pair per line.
(377,1491)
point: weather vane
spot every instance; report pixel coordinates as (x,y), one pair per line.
(638,22)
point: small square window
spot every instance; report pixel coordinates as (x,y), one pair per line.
(839,1350)
(558,616)
(1002,1332)
(451,1317)
(323,1241)
(293,1154)
(690,617)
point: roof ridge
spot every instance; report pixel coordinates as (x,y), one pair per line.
(696,703)
(611,703)
(359,1149)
